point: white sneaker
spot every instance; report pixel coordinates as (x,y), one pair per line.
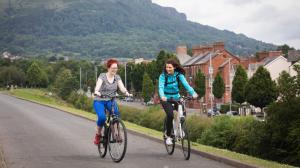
(169,141)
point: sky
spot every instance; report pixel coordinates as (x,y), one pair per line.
(272,21)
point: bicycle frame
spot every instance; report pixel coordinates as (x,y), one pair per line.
(180,117)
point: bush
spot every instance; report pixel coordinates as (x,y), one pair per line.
(130,114)
(250,137)
(81,101)
(196,126)
(221,134)
(153,118)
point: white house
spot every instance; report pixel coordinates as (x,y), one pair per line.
(275,65)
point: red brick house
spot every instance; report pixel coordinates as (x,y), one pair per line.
(221,60)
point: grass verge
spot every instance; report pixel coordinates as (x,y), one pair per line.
(40,96)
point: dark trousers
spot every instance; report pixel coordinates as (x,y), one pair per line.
(169,108)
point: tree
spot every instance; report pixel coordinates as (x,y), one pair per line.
(35,75)
(65,83)
(200,84)
(161,59)
(11,75)
(137,77)
(151,70)
(218,86)
(238,85)
(287,86)
(285,49)
(283,122)
(52,59)
(260,91)
(148,88)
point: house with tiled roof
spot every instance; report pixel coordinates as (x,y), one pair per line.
(221,60)
(294,58)
(273,61)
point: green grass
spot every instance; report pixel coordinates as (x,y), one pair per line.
(41,97)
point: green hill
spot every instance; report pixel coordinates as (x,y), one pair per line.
(101,28)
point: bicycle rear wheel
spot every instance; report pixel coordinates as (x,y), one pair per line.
(117,141)
(102,147)
(169,148)
(185,141)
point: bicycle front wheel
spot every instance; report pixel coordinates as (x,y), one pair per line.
(185,141)
(117,141)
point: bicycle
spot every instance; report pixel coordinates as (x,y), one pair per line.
(113,137)
(179,132)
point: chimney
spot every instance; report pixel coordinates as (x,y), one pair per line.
(181,50)
(275,53)
(197,50)
(262,55)
(219,46)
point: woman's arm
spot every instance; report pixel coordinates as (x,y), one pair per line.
(161,86)
(98,86)
(186,85)
(122,87)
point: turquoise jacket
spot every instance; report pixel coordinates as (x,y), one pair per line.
(171,89)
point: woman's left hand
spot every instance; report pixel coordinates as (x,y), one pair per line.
(195,96)
(128,94)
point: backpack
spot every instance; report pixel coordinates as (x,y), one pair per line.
(177,79)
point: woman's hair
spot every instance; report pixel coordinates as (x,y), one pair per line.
(110,62)
(176,65)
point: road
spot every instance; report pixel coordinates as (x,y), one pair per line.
(35,136)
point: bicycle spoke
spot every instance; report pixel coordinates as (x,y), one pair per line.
(118,142)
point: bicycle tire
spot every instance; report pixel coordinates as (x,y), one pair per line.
(102,147)
(170,148)
(185,142)
(113,143)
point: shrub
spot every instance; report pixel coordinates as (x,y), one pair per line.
(221,134)
(196,126)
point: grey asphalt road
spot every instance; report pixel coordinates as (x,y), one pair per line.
(35,136)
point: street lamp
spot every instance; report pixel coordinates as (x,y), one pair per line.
(126,75)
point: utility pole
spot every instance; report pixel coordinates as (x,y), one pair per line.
(211,71)
(80,77)
(96,73)
(126,75)
(229,74)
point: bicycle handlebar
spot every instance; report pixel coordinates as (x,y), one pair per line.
(181,99)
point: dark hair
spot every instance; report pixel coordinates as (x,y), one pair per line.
(110,62)
(176,65)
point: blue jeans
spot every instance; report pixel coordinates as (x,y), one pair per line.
(100,106)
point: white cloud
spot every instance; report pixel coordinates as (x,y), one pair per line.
(274,21)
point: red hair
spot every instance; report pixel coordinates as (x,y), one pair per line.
(110,62)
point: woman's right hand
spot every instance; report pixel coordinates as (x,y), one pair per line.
(164,99)
(97,94)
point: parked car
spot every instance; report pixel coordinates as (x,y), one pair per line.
(150,103)
(212,113)
(232,113)
(128,99)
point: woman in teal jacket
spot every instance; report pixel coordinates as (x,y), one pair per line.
(169,89)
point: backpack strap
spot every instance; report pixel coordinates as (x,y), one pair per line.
(177,79)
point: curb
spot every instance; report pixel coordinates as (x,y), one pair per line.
(2,159)
(221,159)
